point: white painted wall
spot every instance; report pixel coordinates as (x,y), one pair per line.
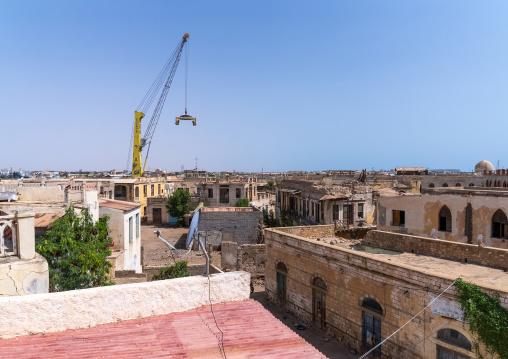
(53,312)
(119,225)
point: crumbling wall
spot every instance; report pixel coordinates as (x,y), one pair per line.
(250,258)
(241,227)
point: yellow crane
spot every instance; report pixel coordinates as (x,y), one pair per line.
(165,78)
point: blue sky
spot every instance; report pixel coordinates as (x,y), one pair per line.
(275,85)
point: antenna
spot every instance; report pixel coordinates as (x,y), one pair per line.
(196,164)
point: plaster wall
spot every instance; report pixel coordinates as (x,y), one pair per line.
(422,215)
(22,277)
(86,308)
(248,257)
(119,225)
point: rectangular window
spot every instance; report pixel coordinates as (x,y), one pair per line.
(137,225)
(360,210)
(144,190)
(130,229)
(335,212)
(238,193)
(210,192)
(399,218)
(152,190)
(159,188)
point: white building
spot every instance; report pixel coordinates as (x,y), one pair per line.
(125,225)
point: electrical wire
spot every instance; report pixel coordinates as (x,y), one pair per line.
(409,321)
(223,351)
(428,336)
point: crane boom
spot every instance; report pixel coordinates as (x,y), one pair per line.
(169,70)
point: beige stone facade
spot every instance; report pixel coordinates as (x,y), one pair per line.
(362,298)
(453,214)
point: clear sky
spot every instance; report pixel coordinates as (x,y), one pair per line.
(275,85)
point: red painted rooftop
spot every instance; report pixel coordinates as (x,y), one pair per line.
(250,331)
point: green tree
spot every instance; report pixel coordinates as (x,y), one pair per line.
(178,205)
(270,186)
(76,249)
(177,270)
(270,221)
(242,202)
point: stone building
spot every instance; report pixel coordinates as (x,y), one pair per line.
(216,192)
(138,190)
(324,202)
(241,225)
(363,292)
(454,214)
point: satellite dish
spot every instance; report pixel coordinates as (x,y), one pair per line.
(432,233)
(480,238)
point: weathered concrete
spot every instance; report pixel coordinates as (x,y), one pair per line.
(90,307)
(22,277)
(247,257)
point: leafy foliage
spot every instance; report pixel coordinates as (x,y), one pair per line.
(76,249)
(269,219)
(270,186)
(178,205)
(242,202)
(177,270)
(486,317)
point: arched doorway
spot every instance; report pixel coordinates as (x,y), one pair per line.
(319,290)
(499,225)
(445,219)
(282,271)
(371,328)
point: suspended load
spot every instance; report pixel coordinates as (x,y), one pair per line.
(186,118)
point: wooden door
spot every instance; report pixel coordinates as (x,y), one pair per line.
(157,215)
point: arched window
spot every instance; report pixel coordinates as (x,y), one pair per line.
(136,192)
(504,183)
(471,185)
(319,282)
(431,185)
(499,225)
(372,304)
(445,219)
(282,271)
(371,326)
(445,184)
(453,337)
(458,185)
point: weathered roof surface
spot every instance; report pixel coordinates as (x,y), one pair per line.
(250,331)
(333,196)
(121,205)
(44,220)
(227,209)
(411,168)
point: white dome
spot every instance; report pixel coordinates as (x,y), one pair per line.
(483,165)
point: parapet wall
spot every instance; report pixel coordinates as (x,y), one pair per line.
(463,252)
(310,231)
(33,314)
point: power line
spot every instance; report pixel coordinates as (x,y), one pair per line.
(409,321)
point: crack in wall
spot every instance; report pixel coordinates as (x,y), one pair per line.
(13,281)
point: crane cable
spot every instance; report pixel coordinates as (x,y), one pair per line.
(186,74)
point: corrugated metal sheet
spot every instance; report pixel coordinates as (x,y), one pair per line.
(250,331)
(121,205)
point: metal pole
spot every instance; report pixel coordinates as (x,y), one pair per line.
(202,246)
